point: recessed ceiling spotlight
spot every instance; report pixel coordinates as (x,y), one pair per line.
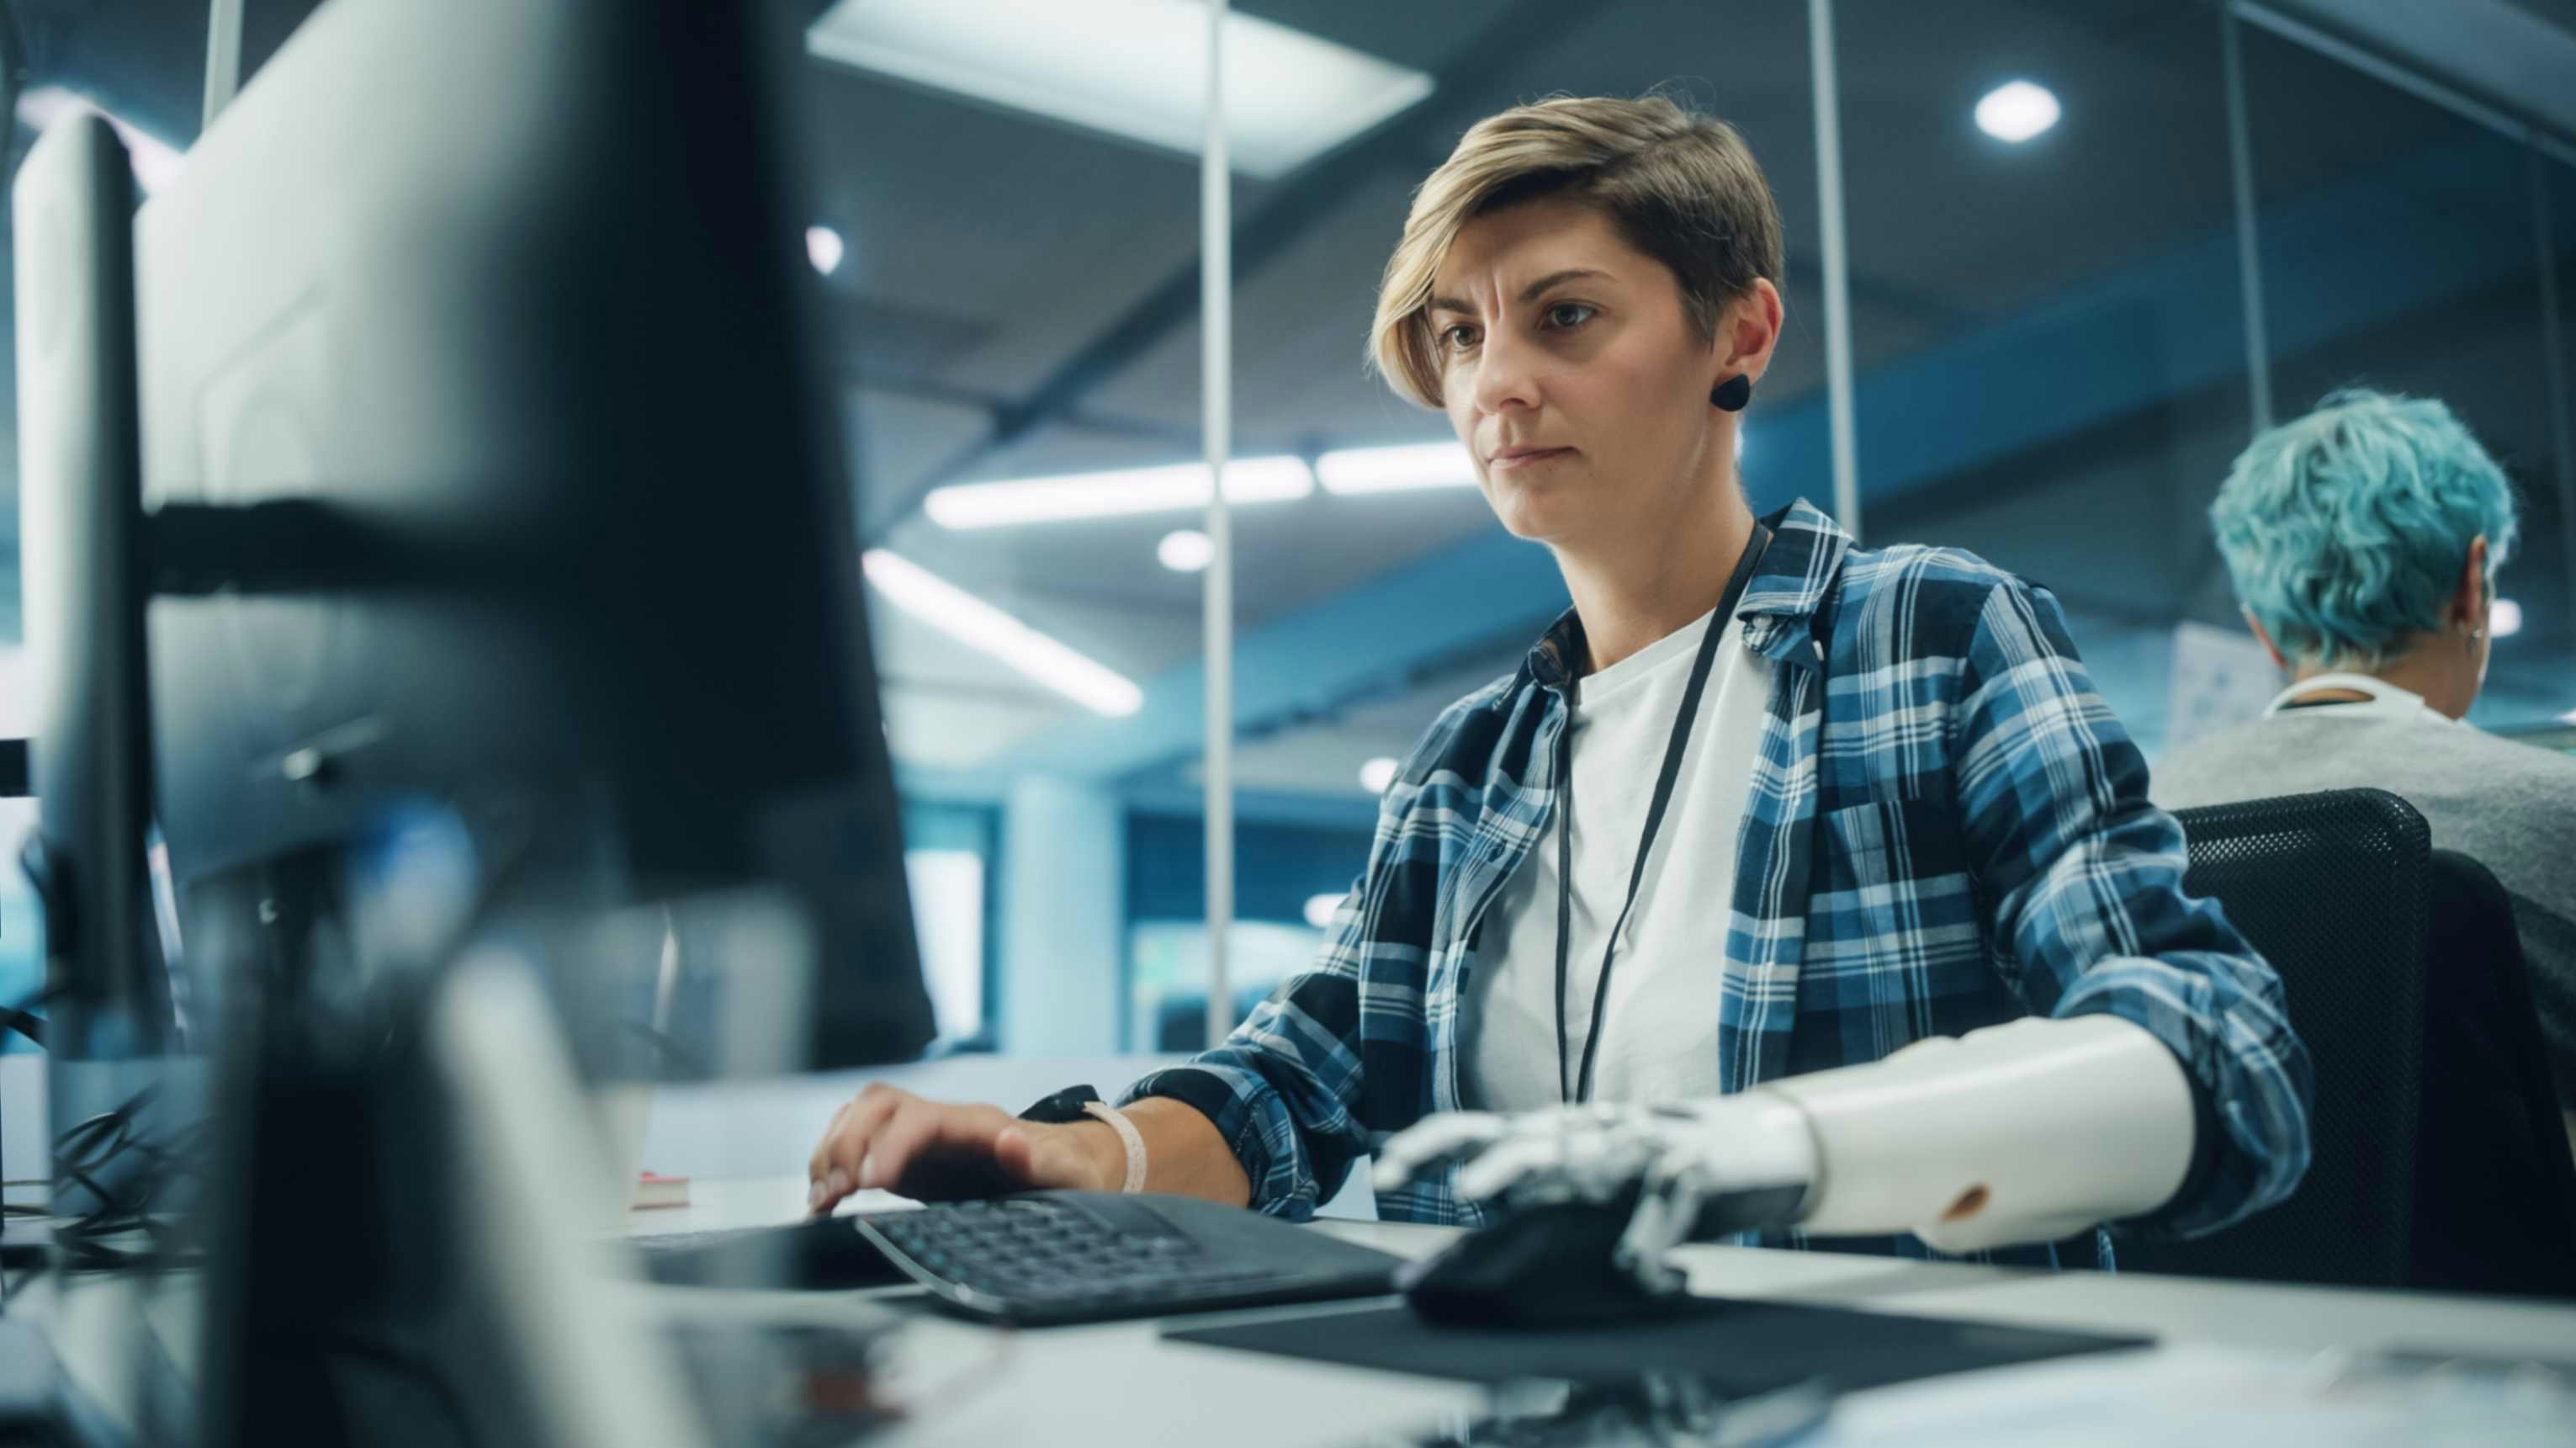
(2504,619)
(1377,774)
(1185,550)
(824,248)
(2016,111)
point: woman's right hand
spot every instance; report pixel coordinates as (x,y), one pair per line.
(940,1151)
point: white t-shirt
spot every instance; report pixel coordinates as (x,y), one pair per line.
(1659,1036)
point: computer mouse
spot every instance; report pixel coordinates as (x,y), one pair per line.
(1541,1266)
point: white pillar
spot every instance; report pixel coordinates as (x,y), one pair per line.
(1064,909)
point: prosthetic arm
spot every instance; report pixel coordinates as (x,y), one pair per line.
(2017,1133)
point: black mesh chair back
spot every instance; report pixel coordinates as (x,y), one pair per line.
(2495,1190)
(2331,889)
(2438,1157)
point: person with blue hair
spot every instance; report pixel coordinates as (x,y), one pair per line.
(2364,541)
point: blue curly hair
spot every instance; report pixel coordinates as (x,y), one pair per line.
(2345,530)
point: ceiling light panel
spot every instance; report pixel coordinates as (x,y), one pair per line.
(1136,69)
(1114,494)
(980,626)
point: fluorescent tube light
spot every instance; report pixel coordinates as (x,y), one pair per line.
(1396,469)
(1136,69)
(157,163)
(980,626)
(1114,494)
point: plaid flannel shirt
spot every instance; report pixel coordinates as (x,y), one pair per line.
(1947,830)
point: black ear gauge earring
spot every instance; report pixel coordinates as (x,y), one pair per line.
(1732,394)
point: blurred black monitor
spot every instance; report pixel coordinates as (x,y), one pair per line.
(487,477)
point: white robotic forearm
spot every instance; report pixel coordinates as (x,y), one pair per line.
(2017,1133)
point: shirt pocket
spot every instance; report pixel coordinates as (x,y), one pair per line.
(1900,904)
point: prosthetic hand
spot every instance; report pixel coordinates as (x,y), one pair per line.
(2018,1133)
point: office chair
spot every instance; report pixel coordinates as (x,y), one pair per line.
(2438,1158)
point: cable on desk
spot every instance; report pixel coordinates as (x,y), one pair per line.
(82,1155)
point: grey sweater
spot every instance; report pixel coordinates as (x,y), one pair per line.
(2511,807)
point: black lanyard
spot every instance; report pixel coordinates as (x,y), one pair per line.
(1720,624)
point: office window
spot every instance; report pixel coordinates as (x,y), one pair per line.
(1168,975)
(2400,253)
(2048,330)
(1286,876)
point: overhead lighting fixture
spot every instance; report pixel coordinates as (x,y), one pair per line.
(157,163)
(1321,908)
(1186,550)
(824,248)
(2016,111)
(2504,619)
(1136,69)
(1396,469)
(1114,494)
(1378,774)
(980,626)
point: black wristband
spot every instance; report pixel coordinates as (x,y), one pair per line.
(1065,1105)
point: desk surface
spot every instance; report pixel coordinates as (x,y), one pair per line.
(1121,1383)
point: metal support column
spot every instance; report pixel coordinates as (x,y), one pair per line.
(1216,391)
(1829,205)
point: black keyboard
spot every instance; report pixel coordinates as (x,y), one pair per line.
(1044,1257)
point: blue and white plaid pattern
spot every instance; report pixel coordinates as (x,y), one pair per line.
(1948,829)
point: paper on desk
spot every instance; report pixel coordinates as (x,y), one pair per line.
(2212,1397)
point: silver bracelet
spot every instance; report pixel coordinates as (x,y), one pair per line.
(1129,1138)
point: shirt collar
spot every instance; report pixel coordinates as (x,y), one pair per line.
(2385,701)
(1779,604)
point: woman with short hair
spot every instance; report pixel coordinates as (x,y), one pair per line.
(1656,917)
(2364,540)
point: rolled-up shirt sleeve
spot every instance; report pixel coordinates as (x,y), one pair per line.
(2086,883)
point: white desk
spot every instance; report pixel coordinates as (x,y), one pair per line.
(1121,1383)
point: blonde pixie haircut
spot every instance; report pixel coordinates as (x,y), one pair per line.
(1679,186)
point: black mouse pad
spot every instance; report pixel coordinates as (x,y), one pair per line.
(1737,1347)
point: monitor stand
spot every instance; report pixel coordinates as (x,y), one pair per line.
(403,1225)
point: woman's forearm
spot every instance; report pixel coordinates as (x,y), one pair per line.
(1185,1155)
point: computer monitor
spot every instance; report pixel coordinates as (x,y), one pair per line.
(110,1017)
(489,508)
(486,476)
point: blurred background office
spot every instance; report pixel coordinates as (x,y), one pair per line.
(2090,249)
